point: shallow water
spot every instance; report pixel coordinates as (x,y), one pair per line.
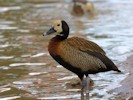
(26,69)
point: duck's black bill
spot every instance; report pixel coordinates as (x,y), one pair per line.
(51,30)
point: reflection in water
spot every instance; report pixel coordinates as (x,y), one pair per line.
(26,69)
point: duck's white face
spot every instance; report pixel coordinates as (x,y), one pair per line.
(57,25)
(56,28)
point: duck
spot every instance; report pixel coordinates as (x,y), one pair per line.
(78,55)
(81,7)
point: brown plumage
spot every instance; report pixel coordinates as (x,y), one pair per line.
(77,10)
(78,55)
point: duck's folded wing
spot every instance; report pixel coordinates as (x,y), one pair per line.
(85,55)
(77,56)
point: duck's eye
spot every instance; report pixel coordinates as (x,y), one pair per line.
(58,24)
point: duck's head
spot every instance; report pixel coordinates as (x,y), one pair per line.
(60,27)
(89,7)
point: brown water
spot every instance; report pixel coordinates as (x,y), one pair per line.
(27,72)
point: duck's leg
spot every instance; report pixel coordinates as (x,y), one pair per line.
(82,89)
(87,87)
(81,76)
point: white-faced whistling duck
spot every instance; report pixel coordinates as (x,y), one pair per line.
(80,7)
(78,55)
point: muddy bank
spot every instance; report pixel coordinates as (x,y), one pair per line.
(125,91)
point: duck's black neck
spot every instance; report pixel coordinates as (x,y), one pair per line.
(65,32)
(61,37)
